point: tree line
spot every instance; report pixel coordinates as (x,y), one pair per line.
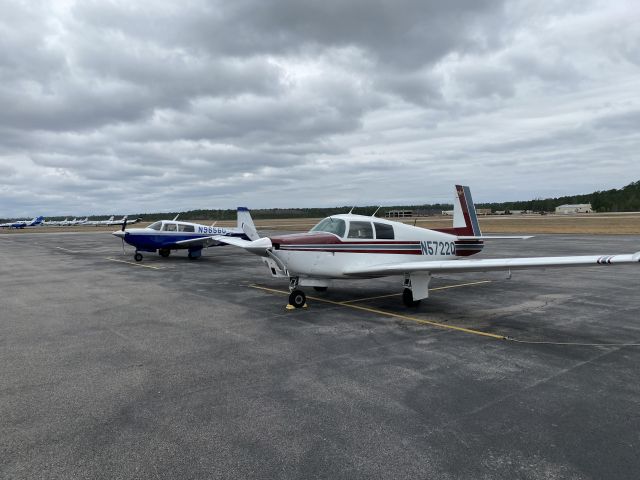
(626,199)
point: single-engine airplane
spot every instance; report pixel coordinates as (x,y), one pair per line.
(24,223)
(166,235)
(349,246)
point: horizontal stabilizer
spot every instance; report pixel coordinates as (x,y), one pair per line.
(259,246)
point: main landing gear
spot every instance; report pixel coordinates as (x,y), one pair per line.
(407,298)
(193,254)
(164,252)
(416,285)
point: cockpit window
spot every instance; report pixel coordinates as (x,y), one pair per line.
(384,231)
(360,230)
(155,226)
(331,225)
(186,228)
(169,227)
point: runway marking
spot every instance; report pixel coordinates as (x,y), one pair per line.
(391,314)
(135,264)
(431,290)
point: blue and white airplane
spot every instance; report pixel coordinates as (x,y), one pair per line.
(24,223)
(167,235)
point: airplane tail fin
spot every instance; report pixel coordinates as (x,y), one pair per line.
(465,220)
(245,223)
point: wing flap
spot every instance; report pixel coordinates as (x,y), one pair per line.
(492,264)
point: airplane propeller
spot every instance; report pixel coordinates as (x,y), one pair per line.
(124,225)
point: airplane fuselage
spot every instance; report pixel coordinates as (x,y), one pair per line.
(168,235)
(327,255)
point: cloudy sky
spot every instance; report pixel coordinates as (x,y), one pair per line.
(138,106)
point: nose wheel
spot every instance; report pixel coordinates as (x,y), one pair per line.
(137,257)
(297,299)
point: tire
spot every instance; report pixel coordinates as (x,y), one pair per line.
(164,252)
(320,289)
(407,299)
(137,257)
(297,298)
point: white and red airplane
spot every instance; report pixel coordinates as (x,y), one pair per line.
(351,246)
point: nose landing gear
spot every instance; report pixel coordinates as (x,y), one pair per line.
(297,298)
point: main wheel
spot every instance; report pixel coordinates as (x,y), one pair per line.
(320,289)
(137,257)
(164,252)
(407,298)
(297,298)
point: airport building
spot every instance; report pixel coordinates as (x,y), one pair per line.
(399,214)
(575,208)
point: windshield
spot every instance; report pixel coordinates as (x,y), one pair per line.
(331,225)
(155,226)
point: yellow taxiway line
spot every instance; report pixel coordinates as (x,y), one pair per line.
(395,315)
(132,263)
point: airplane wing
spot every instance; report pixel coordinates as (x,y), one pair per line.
(203,242)
(483,265)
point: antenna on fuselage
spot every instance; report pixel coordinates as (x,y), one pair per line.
(352,209)
(176,217)
(214,223)
(374,213)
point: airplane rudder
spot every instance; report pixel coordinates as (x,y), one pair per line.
(471,209)
(245,223)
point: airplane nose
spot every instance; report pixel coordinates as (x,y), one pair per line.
(119,233)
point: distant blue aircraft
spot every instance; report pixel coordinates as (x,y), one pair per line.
(24,223)
(167,235)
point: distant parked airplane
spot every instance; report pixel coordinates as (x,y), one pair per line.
(54,223)
(24,223)
(167,235)
(124,220)
(97,223)
(110,222)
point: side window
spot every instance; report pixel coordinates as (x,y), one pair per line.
(360,230)
(169,227)
(384,231)
(186,228)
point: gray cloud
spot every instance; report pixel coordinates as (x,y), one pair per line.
(156,105)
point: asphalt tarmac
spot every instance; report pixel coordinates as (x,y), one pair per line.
(174,368)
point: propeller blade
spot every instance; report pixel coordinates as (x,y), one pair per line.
(124,224)
(123,252)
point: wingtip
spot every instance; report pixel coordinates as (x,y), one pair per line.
(243,209)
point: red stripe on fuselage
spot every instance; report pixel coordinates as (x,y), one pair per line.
(354,250)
